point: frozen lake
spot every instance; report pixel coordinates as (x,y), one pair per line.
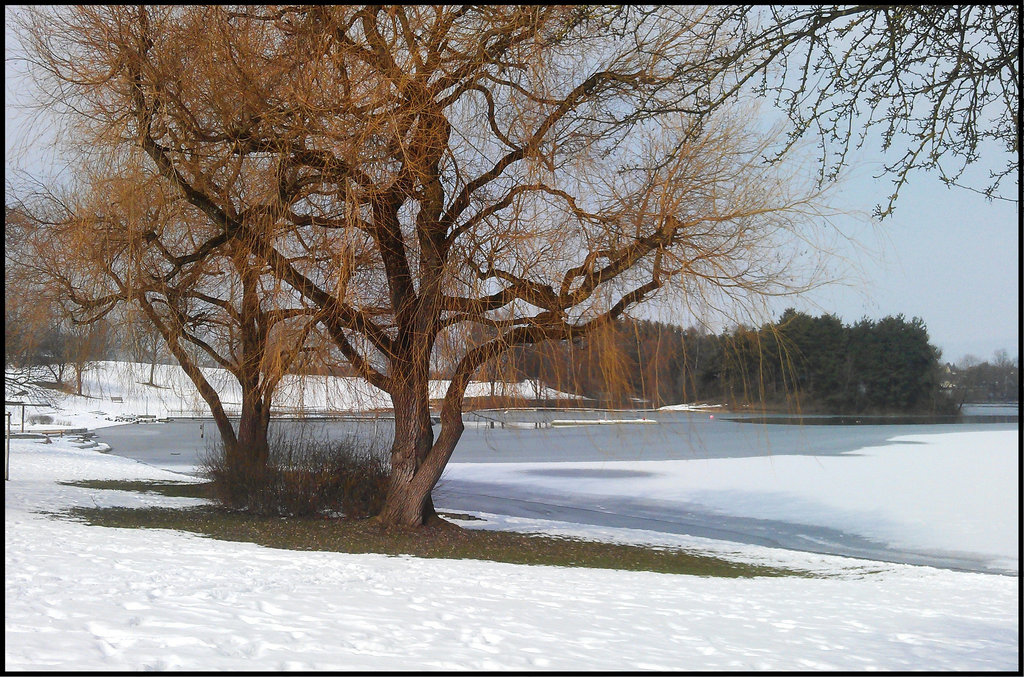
(679,435)
(601,474)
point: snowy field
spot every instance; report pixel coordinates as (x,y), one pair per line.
(79,597)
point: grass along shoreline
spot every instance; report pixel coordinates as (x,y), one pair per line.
(366,536)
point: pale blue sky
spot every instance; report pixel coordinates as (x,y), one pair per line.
(948,256)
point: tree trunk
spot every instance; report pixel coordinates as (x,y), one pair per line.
(252,449)
(409,503)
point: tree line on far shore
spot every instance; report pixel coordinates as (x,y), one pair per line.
(799,363)
(974,380)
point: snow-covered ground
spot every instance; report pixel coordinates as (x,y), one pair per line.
(80,597)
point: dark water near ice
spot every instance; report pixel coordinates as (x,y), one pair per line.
(677,435)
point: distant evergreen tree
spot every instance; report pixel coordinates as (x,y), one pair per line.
(818,363)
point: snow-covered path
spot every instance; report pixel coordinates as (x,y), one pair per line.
(89,598)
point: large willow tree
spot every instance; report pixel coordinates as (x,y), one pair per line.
(411,173)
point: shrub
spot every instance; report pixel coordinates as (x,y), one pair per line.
(305,477)
(40,419)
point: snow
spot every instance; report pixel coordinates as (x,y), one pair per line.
(80,597)
(954,493)
(689,407)
(598,421)
(112,389)
(527,389)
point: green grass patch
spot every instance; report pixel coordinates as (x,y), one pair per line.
(174,489)
(368,536)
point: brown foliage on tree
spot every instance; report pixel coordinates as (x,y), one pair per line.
(409,173)
(27,315)
(118,246)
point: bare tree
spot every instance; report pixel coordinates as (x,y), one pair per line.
(935,80)
(410,173)
(145,344)
(86,343)
(121,245)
